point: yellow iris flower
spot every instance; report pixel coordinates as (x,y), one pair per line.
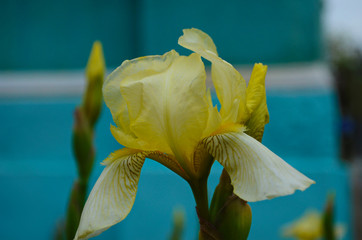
(163,111)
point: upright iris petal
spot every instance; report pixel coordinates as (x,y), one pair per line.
(229,84)
(133,70)
(169,109)
(256,111)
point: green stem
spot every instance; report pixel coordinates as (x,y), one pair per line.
(207,229)
(199,189)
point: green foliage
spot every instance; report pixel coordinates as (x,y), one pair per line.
(328,220)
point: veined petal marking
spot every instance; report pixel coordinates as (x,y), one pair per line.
(113,195)
(256,173)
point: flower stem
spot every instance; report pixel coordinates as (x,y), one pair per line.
(199,189)
(207,229)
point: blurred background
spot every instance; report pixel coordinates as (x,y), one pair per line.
(314,85)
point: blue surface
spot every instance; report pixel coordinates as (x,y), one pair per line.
(41,34)
(243,31)
(37,169)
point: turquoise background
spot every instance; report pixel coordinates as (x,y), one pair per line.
(39,34)
(37,169)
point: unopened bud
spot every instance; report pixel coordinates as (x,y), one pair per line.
(234,220)
(222,193)
(95,66)
(95,71)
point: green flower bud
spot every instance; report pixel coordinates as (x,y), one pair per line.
(230,214)
(234,220)
(92,101)
(222,193)
(85,118)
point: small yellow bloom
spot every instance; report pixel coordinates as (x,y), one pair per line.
(309,227)
(163,111)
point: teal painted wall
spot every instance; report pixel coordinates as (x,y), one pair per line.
(244,31)
(37,169)
(41,34)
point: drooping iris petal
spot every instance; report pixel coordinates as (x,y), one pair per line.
(229,84)
(169,109)
(256,173)
(113,195)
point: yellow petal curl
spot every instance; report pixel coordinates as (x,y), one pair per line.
(256,173)
(229,84)
(113,195)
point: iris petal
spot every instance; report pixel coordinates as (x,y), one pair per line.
(113,195)
(256,123)
(256,87)
(256,173)
(169,109)
(129,70)
(229,84)
(256,114)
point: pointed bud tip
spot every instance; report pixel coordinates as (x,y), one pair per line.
(96,63)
